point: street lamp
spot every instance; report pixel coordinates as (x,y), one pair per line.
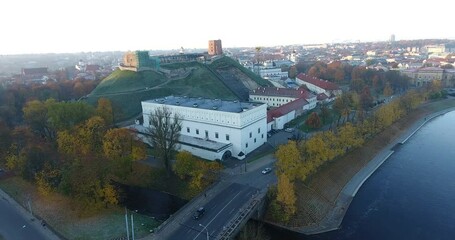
(205,227)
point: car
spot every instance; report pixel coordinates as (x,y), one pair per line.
(199,213)
(266,170)
(289,130)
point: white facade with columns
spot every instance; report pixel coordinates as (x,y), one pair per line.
(212,125)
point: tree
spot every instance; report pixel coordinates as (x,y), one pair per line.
(117,143)
(104,110)
(313,121)
(366,99)
(292,72)
(388,91)
(185,164)
(35,114)
(164,132)
(288,160)
(286,195)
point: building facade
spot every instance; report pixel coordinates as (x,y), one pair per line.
(423,76)
(319,86)
(215,47)
(276,97)
(215,129)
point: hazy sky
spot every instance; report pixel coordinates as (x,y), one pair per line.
(40,26)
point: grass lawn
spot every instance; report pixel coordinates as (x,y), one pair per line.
(59,212)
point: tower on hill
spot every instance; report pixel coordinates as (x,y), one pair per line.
(139,61)
(215,47)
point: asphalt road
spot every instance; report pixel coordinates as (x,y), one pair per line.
(15,226)
(255,178)
(219,211)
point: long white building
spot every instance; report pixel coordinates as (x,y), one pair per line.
(215,129)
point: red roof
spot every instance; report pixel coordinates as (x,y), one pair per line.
(322,96)
(286,108)
(324,84)
(282,92)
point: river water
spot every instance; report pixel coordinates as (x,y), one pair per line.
(411,196)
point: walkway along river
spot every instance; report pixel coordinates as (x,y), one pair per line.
(411,196)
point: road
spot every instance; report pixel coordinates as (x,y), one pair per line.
(15,225)
(219,210)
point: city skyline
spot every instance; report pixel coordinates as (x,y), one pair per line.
(90,26)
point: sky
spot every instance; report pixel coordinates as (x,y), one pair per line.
(51,26)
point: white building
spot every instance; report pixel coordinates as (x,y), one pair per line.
(215,129)
(318,86)
(276,97)
(272,73)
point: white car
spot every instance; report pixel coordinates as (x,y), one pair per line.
(266,170)
(289,130)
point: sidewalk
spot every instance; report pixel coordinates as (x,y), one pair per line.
(45,231)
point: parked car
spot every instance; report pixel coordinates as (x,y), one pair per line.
(199,213)
(289,130)
(266,170)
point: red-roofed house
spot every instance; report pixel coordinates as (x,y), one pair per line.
(34,74)
(318,85)
(276,97)
(276,118)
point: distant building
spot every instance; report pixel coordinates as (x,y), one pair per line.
(215,129)
(29,75)
(392,38)
(215,47)
(423,76)
(140,61)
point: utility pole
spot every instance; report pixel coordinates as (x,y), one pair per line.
(132,227)
(30,207)
(126,224)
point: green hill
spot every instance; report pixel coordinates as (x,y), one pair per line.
(126,89)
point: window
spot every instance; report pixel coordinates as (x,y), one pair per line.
(227,137)
(206,134)
(187,129)
(251,134)
(216,135)
(246,145)
(197,131)
(259,130)
(262,135)
(254,139)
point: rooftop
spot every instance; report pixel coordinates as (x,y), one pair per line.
(204,103)
(282,92)
(324,84)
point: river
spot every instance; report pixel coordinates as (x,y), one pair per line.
(411,196)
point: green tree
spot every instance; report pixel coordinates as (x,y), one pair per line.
(164,132)
(104,110)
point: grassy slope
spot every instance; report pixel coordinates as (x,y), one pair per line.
(226,62)
(126,89)
(121,81)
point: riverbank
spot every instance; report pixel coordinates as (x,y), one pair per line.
(325,198)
